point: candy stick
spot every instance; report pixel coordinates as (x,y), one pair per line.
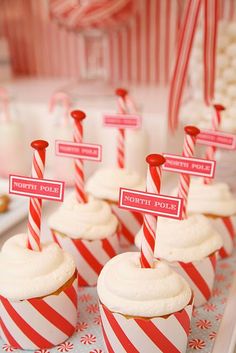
(78,116)
(35,206)
(122,109)
(188,151)
(216,121)
(66,102)
(5,104)
(150,222)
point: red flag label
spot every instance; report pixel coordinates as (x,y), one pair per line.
(217,139)
(86,151)
(122,121)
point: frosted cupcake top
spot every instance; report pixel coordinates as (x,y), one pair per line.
(124,287)
(91,220)
(26,274)
(214,199)
(105,183)
(187,240)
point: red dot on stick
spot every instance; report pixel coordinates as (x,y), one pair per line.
(78,115)
(219,107)
(155,159)
(121,92)
(39,144)
(191,130)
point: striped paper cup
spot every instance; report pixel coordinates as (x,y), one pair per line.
(130,223)
(226,228)
(39,323)
(90,255)
(200,276)
(146,335)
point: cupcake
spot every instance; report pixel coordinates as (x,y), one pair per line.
(89,231)
(38,295)
(190,246)
(143,309)
(215,201)
(105,185)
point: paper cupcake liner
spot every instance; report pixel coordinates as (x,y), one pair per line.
(200,276)
(130,223)
(226,228)
(90,255)
(141,335)
(39,323)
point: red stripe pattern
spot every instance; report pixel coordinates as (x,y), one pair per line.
(90,256)
(225,226)
(121,135)
(40,322)
(137,335)
(35,206)
(130,223)
(200,275)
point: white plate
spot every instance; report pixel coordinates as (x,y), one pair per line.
(18,209)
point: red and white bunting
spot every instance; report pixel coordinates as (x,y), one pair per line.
(85,151)
(40,188)
(192,166)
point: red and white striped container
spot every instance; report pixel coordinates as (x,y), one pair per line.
(200,276)
(226,228)
(130,223)
(90,255)
(141,335)
(39,323)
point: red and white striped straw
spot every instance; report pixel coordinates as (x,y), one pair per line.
(191,133)
(35,206)
(4,99)
(78,117)
(65,101)
(122,109)
(216,121)
(153,185)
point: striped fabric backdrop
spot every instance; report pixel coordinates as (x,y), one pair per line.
(140,51)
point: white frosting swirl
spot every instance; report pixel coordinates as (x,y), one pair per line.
(124,287)
(91,220)
(26,274)
(191,239)
(105,183)
(214,199)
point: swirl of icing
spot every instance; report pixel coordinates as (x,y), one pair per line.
(26,274)
(214,199)
(126,288)
(105,183)
(91,220)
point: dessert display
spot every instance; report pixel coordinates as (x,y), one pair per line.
(38,282)
(4,203)
(84,225)
(140,297)
(105,183)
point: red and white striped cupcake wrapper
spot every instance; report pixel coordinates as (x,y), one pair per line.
(200,276)
(226,228)
(152,335)
(39,323)
(130,223)
(90,255)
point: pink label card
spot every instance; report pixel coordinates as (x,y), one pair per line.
(193,166)
(39,188)
(86,151)
(159,205)
(122,121)
(217,139)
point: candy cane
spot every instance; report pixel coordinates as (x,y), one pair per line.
(150,222)
(4,98)
(122,109)
(188,151)
(66,102)
(216,121)
(35,206)
(78,116)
